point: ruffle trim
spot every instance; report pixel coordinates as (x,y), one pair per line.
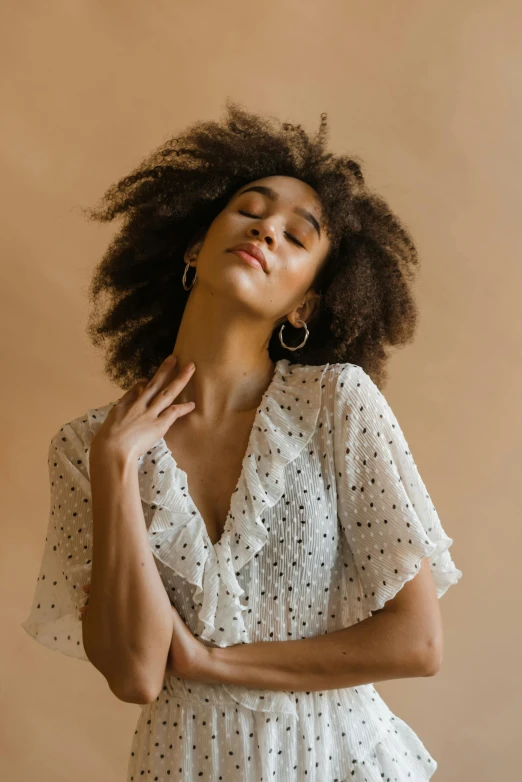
(398,755)
(412,505)
(443,570)
(284,424)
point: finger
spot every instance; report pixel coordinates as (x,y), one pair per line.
(132,392)
(150,387)
(175,411)
(170,363)
(165,396)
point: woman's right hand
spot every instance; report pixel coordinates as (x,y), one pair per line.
(145,412)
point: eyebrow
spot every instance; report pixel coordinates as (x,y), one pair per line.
(270,193)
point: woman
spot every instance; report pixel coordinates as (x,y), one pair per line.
(256,540)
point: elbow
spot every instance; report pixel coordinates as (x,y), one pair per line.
(130,689)
(141,699)
(139,695)
(145,696)
(127,680)
(430,657)
(137,687)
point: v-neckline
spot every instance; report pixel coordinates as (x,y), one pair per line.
(183,474)
(283,426)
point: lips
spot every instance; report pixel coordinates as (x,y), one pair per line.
(254,251)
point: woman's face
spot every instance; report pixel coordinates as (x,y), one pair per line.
(282,216)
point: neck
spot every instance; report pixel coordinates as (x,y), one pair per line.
(230,350)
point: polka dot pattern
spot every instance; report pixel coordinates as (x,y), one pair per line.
(54,619)
(328,520)
(385,511)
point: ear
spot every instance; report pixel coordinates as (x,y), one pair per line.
(307,310)
(194,245)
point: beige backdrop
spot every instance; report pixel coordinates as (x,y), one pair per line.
(429,94)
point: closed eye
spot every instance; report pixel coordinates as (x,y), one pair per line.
(241,212)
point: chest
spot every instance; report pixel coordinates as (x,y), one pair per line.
(212,463)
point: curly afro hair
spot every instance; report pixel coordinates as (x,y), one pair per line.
(176,192)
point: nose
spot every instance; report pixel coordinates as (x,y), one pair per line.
(257,233)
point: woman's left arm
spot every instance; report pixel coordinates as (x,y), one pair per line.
(399,641)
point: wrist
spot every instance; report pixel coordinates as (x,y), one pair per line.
(104,451)
(213,665)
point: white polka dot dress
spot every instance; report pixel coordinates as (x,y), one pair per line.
(329,519)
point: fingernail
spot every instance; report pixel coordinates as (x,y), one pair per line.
(191,366)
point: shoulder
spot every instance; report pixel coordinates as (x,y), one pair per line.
(336,373)
(349,383)
(73,438)
(344,386)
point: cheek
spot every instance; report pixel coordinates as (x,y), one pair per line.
(288,284)
(294,275)
(226,223)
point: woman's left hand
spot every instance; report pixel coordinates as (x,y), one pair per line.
(188,658)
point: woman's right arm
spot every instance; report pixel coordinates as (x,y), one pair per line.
(128,627)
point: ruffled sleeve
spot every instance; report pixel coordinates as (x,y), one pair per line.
(384,509)
(54,619)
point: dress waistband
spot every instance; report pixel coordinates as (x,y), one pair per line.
(270,701)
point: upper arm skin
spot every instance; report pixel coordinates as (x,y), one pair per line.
(417,600)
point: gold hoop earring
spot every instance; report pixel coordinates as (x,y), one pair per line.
(297,346)
(188,287)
